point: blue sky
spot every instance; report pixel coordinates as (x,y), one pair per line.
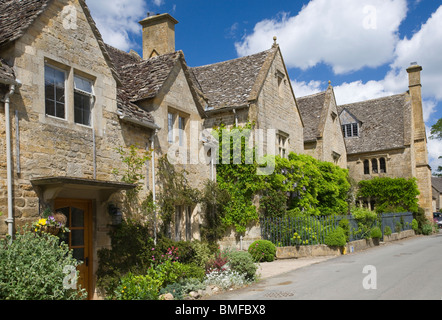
(362,47)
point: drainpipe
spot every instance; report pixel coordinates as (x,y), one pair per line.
(152,146)
(10,219)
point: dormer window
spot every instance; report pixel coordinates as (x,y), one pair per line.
(350,130)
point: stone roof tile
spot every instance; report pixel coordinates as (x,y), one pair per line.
(383,123)
(230,83)
(311,108)
(16,16)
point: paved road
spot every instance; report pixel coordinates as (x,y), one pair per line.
(403,270)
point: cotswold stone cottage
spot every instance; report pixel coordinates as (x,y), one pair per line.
(386,137)
(68,100)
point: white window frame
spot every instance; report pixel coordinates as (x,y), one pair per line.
(91,96)
(65,73)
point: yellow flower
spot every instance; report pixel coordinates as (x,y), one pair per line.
(42,222)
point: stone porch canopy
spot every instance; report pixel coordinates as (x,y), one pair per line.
(49,188)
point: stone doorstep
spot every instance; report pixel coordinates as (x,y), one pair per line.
(323,250)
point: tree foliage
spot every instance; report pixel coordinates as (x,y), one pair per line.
(436,134)
(311,187)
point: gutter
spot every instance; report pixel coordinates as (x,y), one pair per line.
(145,124)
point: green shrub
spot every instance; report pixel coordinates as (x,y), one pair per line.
(242,262)
(336,238)
(176,289)
(262,251)
(415,225)
(427,229)
(376,233)
(134,287)
(387,231)
(202,253)
(193,271)
(345,225)
(32,268)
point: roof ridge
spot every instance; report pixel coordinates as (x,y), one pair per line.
(312,95)
(374,99)
(235,59)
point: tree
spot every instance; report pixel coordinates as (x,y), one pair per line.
(436,134)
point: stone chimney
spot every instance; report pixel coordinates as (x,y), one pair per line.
(422,168)
(415,89)
(158,35)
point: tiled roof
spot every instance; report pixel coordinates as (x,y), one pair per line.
(311,108)
(143,79)
(384,124)
(6,72)
(16,16)
(437,183)
(231,83)
(125,107)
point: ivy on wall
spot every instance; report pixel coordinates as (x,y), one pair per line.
(391,194)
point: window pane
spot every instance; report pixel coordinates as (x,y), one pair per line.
(170,127)
(382,165)
(355,130)
(83,84)
(181,127)
(82,109)
(77,218)
(366,167)
(59,112)
(77,238)
(348,126)
(54,92)
(50,107)
(374,164)
(49,91)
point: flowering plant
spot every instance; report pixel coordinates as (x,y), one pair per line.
(52,224)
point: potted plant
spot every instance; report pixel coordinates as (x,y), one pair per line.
(51,223)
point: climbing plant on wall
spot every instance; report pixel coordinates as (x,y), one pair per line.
(236,173)
(391,194)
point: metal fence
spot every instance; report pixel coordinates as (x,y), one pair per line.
(313,230)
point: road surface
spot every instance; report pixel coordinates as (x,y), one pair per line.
(409,269)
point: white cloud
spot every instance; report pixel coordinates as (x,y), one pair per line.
(434,151)
(118,19)
(302,88)
(345,34)
(358,91)
(425,48)
(158,2)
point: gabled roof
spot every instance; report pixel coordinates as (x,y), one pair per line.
(144,79)
(16,16)
(385,124)
(311,108)
(314,110)
(234,82)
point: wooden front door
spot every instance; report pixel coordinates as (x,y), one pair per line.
(79,222)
